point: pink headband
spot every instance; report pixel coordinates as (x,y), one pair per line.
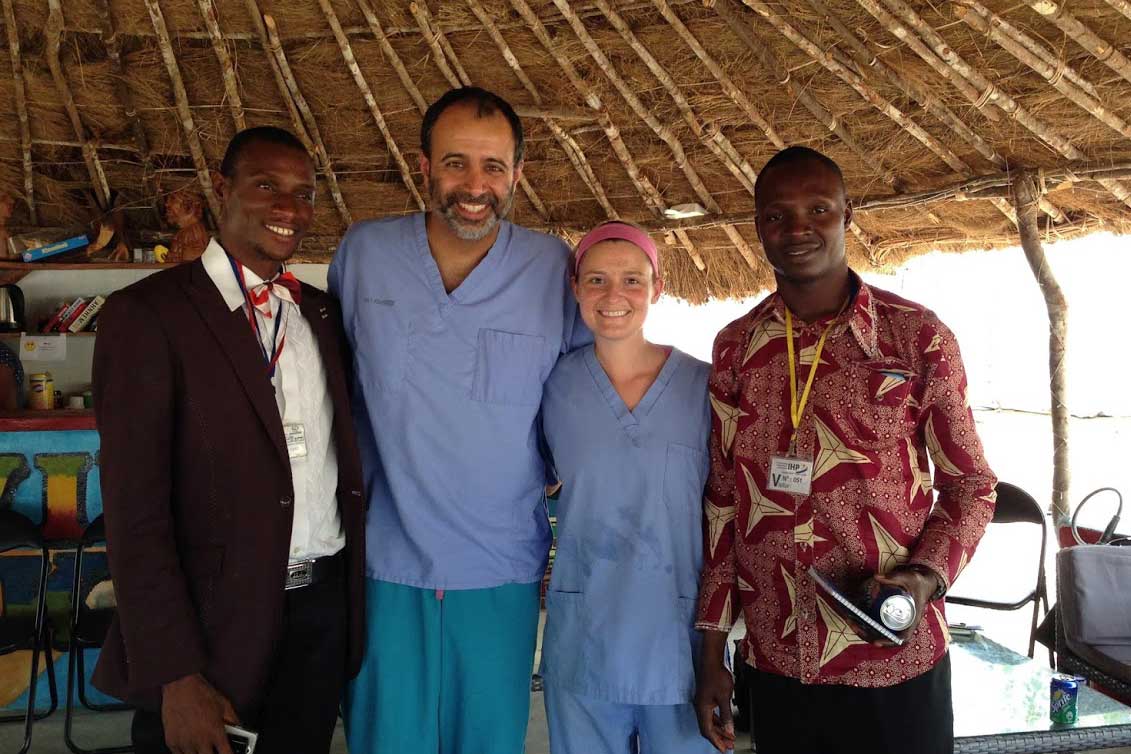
(615,231)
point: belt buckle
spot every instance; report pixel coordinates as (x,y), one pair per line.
(300,574)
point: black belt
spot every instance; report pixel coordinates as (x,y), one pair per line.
(307,572)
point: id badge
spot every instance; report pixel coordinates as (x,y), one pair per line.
(791,474)
(296,440)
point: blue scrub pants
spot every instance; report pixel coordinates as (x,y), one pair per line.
(580,725)
(446,675)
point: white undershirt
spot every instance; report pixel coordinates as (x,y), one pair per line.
(302,397)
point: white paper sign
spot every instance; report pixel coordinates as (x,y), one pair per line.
(43,347)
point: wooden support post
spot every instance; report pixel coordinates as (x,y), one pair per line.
(13,34)
(184,112)
(227,68)
(321,156)
(1026,192)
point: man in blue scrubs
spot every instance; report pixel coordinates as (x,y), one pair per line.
(456,317)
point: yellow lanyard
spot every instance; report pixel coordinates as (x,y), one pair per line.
(796,407)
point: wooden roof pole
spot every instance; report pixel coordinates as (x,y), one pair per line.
(1031,53)
(712,138)
(184,112)
(663,132)
(867,61)
(651,197)
(1057,14)
(441,50)
(771,63)
(991,93)
(321,156)
(391,55)
(571,148)
(21,108)
(296,118)
(54,34)
(125,96)
(1123,6)
(371,101)
(736,95)
(1026,190)
(227,68)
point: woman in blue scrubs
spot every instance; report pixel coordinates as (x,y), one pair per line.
(627,422)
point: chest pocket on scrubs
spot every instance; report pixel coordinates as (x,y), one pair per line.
(685,475)
(508,368)
(382,345)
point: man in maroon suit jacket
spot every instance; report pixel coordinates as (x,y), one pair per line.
(231,482)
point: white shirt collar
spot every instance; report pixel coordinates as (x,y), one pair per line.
(216,264)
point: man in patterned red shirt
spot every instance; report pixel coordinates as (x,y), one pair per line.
(848,388)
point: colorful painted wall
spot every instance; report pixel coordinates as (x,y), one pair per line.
(52,477)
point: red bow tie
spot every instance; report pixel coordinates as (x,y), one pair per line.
(285,287)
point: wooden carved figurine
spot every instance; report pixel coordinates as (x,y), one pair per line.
(110,234)
(7,202)
(185,210)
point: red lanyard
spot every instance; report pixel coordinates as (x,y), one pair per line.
(277,350)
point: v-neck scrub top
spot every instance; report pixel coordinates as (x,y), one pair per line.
(448,388)
(621,604)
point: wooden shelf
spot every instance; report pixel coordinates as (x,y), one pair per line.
(9,264)
(59,419)
(82,334)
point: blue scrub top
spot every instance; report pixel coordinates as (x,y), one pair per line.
(448,393)
(622,599)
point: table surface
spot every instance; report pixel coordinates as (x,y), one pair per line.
(1001,704)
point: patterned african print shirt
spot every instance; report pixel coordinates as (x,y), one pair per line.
(890,388)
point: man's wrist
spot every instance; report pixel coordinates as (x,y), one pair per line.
(938,586)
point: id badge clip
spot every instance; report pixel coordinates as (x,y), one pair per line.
(791,473)
(295,434)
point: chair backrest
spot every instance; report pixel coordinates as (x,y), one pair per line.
(1015,505)
(18,531)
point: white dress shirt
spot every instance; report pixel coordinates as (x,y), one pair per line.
(302,397)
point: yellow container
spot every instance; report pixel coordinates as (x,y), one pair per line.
(41,391)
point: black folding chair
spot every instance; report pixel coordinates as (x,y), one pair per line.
(1015,505)
(27,632)
(89,626)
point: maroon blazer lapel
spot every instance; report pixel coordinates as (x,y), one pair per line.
(231,330)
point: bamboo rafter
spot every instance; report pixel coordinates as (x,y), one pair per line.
(371,102)
(54,34)
(227,68)
(732,90)
(394,60)
(125,96)
(1057,13)
(13,34)
(648,193)
(663,132)
(713,138)
(990,91)
(571,148)
(771,63)
(859,84)
(280,82)
(321,156)
(457,76)
(184,112)
(1123,6)
(775,69)
(1030,52)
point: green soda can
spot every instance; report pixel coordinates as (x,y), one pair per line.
(1063,690)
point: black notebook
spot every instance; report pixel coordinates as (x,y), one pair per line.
(861,617)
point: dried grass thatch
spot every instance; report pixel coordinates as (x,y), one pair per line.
(873,70)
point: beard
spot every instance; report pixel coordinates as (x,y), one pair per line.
(472,231)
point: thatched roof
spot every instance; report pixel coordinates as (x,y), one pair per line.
(631,107)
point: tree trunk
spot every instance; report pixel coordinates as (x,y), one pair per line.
(1026,194)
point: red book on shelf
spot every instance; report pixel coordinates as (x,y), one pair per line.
(53,320)
(71,315)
